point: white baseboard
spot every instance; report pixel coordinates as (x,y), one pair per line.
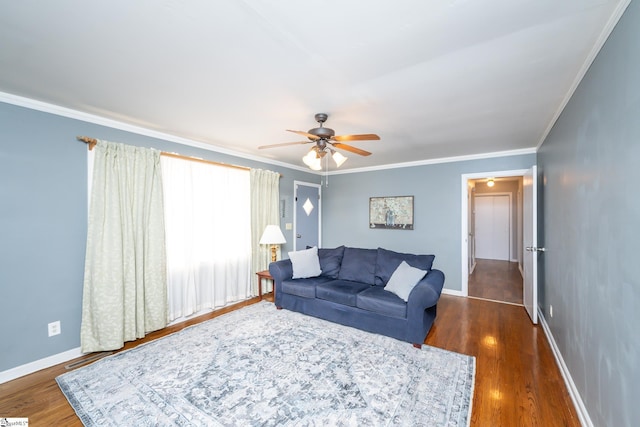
(583,414)
(47,362)
(452,292)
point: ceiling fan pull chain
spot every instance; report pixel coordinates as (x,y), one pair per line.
(326,171)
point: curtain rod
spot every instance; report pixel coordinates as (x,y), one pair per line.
(91,142)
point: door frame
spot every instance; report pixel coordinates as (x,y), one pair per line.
(295,219)
(464,216)
(530,260)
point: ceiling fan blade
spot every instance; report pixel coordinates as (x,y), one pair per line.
(351,149)
(308,135)
(284,144)
(361,137)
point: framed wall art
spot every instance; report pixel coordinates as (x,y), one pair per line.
(391,212)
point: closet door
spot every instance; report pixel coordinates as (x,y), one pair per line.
(492,227)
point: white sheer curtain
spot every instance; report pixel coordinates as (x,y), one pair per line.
(124,292)
(265,208)
(208,233)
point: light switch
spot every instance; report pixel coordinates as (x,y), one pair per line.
(288,226)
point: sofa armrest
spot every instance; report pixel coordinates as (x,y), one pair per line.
(280,270)
(425,294)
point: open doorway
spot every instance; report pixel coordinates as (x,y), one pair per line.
(492,241)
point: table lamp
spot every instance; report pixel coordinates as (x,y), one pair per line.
(272,236)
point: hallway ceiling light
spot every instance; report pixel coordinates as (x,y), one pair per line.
(490,182)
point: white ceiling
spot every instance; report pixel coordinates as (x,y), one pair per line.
(434,79)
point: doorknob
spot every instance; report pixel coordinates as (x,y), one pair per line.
(298,236)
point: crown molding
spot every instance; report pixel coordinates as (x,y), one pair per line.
(115,124)
(604,35)
(440,160)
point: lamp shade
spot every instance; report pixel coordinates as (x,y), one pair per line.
(316,165)
(338,158)
(272,236)
(312,160)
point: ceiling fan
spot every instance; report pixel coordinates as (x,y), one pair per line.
(325,142)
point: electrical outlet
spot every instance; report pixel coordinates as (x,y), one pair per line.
(54,328)
(550,310)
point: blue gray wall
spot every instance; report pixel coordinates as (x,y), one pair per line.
(590,164)
(43,225)
(437,209)
(590,214)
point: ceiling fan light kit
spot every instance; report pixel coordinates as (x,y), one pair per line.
(312,160)
(324,139)
(338,158)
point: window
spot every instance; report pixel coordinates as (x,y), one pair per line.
(208,234)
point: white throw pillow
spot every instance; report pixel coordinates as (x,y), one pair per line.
(404,279)
(305,263)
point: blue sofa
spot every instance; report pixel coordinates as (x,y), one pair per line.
(350,290)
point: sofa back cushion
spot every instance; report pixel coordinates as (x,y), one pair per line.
(388,261)
(330,261)
(359,265)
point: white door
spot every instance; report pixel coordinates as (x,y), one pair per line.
(306,215)
(530,241)
(492,227)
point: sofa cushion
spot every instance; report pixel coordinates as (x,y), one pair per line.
(388,261)
(378,300)
(302,287)
(340,291)
(305,263)
(359,265)
(330,261)
(404,279)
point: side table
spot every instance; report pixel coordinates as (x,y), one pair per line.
(265,275)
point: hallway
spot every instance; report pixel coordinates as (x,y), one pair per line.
(496,280)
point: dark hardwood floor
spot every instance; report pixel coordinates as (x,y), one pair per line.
(517,380)
(496,280)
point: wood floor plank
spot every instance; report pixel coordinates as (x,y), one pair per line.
(496,280)
(517,380)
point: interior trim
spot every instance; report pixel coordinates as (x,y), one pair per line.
(92,118)
(581,409)
(102,121)
(606,32)
(47,362)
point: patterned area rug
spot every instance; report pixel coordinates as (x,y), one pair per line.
(268,367)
